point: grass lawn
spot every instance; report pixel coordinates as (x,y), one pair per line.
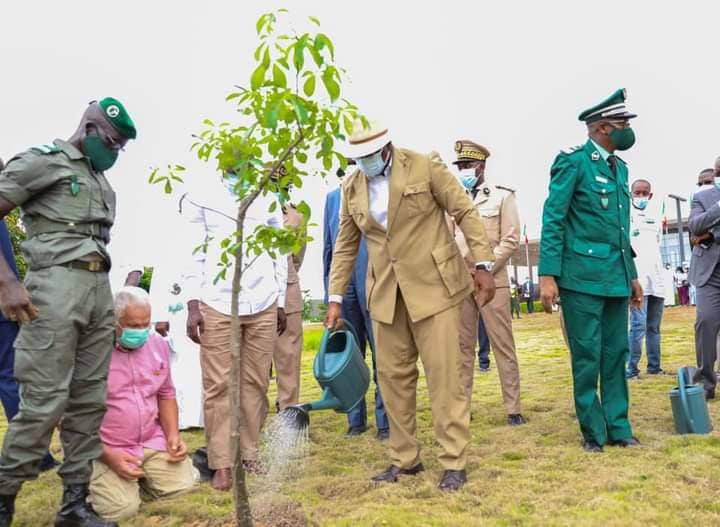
(531,475)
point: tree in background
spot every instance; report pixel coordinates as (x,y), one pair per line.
(17,236)
(291,117)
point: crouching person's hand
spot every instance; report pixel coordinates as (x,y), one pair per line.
(124,465)
(176,449)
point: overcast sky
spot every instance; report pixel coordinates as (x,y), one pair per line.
(510,75)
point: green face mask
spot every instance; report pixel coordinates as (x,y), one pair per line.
(101,157)
(622,138)
(132,338)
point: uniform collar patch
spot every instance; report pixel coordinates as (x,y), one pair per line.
(595,156)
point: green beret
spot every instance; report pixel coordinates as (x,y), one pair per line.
(116,113)
(611,108)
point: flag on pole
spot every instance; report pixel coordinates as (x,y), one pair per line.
(664,219)
(525,234)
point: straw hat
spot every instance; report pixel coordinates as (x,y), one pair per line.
(365,141)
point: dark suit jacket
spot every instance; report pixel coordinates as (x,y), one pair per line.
(331,226)
(704,217)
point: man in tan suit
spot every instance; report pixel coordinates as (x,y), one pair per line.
(416,282)
(498,211)
(288,348)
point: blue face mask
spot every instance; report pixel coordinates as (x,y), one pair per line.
(640,203)
(373,165)
(716,179)
(132,338)
(468,178)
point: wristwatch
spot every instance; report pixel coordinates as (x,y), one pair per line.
(485,266)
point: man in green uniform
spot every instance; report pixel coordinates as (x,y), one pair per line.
(587,262)
(65,307)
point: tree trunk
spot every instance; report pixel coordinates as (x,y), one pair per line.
(243,515)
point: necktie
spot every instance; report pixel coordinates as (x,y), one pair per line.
(612,161)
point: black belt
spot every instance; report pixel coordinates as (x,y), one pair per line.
(95,266)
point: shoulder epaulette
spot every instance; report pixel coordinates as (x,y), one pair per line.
(46,149)
(512,190)
(571,149)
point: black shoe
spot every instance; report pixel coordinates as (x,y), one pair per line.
(623,443)
(354,431)
(516,419)
(592,446)
(277,407)
(632,376)
(200,462)
(7,509)
(48,463)
(452,480)
(383,434)
(484,369)
(392,473)
(75,511)
(709,394)
(656,372)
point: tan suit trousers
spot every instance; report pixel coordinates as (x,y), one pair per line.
(259,333)
(435,340)
(498,324)
(287,357)
(115,498)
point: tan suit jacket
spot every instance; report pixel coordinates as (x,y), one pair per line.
(293,296)
(497,207)
(417,252)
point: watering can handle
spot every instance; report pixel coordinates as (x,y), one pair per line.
(326,335)
(683,399)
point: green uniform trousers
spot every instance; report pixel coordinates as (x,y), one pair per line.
(597,333)
(61,364)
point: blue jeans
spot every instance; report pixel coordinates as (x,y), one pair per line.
(353,312)
(645,324)
(484,343)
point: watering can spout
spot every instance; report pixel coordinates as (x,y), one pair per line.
(328,401)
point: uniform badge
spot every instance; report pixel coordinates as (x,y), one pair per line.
(486,191)
(604,202)
(595,155)
(112,111)
(74,185)
(175,289)
(458,146)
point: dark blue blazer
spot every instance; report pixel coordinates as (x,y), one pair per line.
(331,226)
(7,249)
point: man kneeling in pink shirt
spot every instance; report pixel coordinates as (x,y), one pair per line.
(142,448)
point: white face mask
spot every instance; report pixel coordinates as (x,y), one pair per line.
(372,165)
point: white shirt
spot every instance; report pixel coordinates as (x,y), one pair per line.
(379,196)
(263,282)
(645,240)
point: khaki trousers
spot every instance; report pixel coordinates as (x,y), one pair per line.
(287,357)
(115,498)
(498,324)
(435,340)
(259,333)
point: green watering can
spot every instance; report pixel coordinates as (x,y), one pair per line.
(341,371)
(689,407)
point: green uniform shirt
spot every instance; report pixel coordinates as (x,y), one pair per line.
(67,208)
(585,239)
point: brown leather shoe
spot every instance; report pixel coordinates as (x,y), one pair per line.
(391,474)
(452,480)
(222,479)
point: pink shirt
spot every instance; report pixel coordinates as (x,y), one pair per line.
(137,381)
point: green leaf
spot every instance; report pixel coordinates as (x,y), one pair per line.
(258,77)
(299,52)
(301,156)
(300,109)
(154,172)
(309,85)
(319,61)
(347,124)
(271,114)
(208,122)
(179,168)
(261,23)
(168,187)
(322,41)
(266,58)
(233,95)
(273,207)
(332,87)
(314,20)
(279,78)
(258,51)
